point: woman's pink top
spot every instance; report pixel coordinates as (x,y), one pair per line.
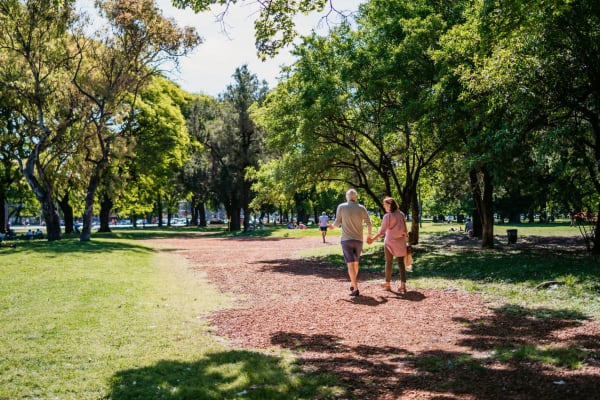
(393,226)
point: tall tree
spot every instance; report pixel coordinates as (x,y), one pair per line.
(528,73)
(361,101)
(241,95)
(34,49)
(10,148)
(156,150)
(485,142)
(112,70)
(196,176)
(235,144)
(546,64)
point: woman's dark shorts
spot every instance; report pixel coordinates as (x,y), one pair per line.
(323,228)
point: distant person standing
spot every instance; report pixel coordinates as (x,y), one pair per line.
(323,224)
(351,216)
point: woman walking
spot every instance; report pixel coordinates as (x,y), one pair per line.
(393,227)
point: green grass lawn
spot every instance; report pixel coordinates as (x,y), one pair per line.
(113,318)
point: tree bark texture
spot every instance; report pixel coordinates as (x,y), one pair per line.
(43,192)
(106,205)
(414,222)
(201,214)
(88,212)
(67,211)
(481,185)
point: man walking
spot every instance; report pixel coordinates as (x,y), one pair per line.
(351,216)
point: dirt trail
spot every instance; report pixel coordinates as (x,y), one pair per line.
(382,345)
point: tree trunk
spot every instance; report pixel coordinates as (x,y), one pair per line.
(477,228)
(245,201)
(202,214)
(596,245)
(514,217)
(233,216)
(106,205)
(481,185)
(414,222)
(88,212)
(3,213)
(194,215)
(246,225)
(52,220)
(159,209)
(487,215)
(10,175)
(67,211)
(43,193)
(302,215)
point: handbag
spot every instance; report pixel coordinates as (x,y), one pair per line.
(408,260)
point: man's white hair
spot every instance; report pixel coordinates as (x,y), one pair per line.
(351,195)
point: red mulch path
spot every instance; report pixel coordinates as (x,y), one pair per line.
(426,344)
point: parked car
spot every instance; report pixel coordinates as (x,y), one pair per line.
(178,221)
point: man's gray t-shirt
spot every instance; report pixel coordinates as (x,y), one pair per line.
(351,216)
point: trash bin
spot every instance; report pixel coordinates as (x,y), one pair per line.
(512,236)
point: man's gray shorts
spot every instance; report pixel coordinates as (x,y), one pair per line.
(352,250)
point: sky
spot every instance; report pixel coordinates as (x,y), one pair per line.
(210,67)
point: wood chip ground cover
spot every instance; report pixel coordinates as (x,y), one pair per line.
(426,344)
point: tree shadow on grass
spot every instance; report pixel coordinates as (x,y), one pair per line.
(223,375)
(513,327)
(107,242)
(483,372)
(75,246)
(502,265)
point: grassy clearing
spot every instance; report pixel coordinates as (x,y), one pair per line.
(512,276)
(112,318)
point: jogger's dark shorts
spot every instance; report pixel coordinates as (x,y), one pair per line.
(352,250)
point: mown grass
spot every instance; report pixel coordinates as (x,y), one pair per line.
(112,318)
